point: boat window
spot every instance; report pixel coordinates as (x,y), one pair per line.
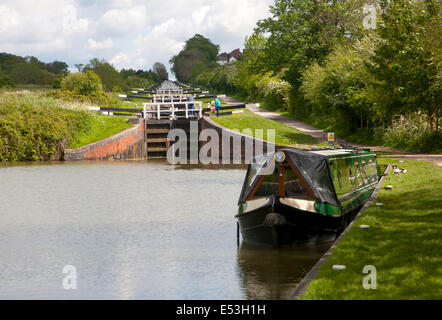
(364,172)
(372,171)
(252,173)
(255,169)
(268,186)
(342,180)
(359,179)
(335,171)
(292,183)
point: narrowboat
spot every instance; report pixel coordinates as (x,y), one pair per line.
(296,196)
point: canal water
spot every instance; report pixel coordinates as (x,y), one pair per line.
(134,230)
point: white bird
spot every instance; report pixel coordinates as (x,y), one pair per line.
(396,170)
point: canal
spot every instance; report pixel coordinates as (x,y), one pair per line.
(134,230)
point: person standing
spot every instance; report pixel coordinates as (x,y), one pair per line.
(191,105)
(217,105)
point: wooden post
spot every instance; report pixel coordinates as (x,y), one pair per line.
(187,111)
(158,112)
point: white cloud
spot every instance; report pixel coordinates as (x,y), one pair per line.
(128,33)
(70,23)
(121,61)
(96,45)
(9,19)
(199,15)
(124,21)
(120,3)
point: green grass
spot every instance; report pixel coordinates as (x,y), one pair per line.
(97,128)
(36,127)
(284,134)
(403,242)
(32,87)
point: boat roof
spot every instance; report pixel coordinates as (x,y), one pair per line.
(313,168)
(340,152)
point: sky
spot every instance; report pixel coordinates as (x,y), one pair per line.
(127,33)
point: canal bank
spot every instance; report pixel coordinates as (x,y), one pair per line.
(127,144)
(142,141)
(402,242)
(310,276)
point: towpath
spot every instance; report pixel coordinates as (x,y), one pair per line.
(321,135)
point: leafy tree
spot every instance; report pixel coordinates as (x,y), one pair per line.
(30,73)
(57,67)
(126,73)
(341,88)
(30,70)
(107,73)
(33,60)
(405,63)
(139,82)
(85,84)
(5,80)
(204,45)
(302,32)
(79,67)
(8,61)
(185,62)
(160,70)
(197,50)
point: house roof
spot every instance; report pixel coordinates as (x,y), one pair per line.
(227,56)
(223,56)
(235,54)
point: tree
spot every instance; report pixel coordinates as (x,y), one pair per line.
(30,73)
(30,70)
(160,70)
(341,88)
(302,32)
(197,50)
(85,84)
(107,73)
(405,63)
(204,45)
(79,67)
(5,80)
(57,67)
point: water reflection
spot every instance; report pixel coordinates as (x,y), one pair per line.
(266,273)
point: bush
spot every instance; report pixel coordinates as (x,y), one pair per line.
(274,91)
(117,89)
(57,82)
(85,84)
(82,86)
(5,80)
(413,136)
(36,132)
(36,127)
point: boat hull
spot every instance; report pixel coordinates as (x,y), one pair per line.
(286,225)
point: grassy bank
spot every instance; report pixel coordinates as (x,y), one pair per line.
(403,242)
(284,134)
(96,128)
(36,127)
